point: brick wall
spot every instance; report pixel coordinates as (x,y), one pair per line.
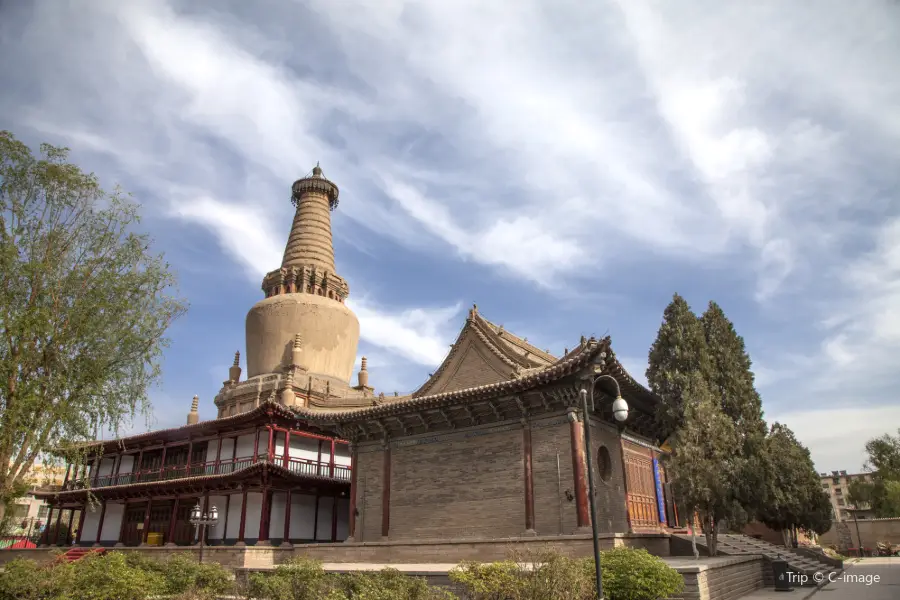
(871,531)
(610,495)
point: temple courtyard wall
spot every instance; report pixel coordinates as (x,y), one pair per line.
(471,483)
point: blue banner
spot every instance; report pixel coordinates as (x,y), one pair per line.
(660,497)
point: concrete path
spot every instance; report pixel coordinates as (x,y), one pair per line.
(868,579)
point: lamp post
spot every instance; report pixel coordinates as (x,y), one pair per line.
(620,413)
(200,521)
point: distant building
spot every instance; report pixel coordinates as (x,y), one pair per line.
(29,513)
(837,486)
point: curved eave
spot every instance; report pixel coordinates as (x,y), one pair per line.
(146,488)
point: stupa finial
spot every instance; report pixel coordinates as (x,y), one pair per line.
(194,416)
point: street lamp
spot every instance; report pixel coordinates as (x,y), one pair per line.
(620,413)
(200,521)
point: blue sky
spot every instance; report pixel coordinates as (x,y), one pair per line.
(567,166)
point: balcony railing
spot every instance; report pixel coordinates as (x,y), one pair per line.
(299,466)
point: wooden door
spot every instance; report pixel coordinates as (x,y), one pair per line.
(134,515)
(641,488)
(184,531)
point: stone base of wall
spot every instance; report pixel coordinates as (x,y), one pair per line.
(720,578)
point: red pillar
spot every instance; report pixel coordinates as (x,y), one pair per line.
(287,449)
(529,479)
(287,519)
(386,493)
(162,464)
(225,524)
(172,519)
(218,455)
(578,471)
(353,462)
(55,541)
(72,520)
(316,519)
(137,466)
(205,530)
(121,539)
(100,524)
(97,471)
(319,459)
(66,479)
(331,461)
(264,515)
(243,518)
(187,466)
(270,451)
(146,523)
(256,445)
(80,526)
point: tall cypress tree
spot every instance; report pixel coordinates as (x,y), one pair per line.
(732,381)
(679,352)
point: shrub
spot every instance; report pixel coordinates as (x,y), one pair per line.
(386,584)
(635,574)
(628,574)
(111,577)
(298,579)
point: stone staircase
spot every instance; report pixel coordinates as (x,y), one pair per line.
(799,560)
(77,553)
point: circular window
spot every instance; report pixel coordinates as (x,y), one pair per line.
(604,463)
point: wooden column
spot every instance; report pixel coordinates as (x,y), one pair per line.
(287,449)
(218,455)
(316,519)
(80,525)
(270,450)
(334,506)
(225,524)
(529,478)
(68,470)
(145,531)
(354,457)
(243,518)
(136,469)
(187,466)
(264,515)
(72,518)
(97,472)
(331,461)
(256,445)
(117,465)
(100,524)
(386,493)
(55,541)
(578,471)
(172,518)
(319,459)
(45,535)
(286,536)
(162,464)
(121,539)
(625,483)
(204,531)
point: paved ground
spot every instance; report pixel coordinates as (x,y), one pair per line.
(868,579)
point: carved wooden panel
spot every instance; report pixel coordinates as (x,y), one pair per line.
(641,488)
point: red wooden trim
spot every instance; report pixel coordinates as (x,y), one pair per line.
(354,456)
(102,518)
(303,433)
(270,451)
(386,494)
(256,444)
(172,518)
(578,472)
(146,521)
(264,515)
(529,478)
(319,459)
(287,447)
(334,505)
(243,516)
(287,516)
(225,524)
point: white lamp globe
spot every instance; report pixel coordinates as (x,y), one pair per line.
(620,409)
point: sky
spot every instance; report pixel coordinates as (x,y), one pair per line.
(567,166)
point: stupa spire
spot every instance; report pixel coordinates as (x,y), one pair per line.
(310,243)
(194,416)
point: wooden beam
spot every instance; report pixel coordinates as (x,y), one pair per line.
(496,411)
(446,418)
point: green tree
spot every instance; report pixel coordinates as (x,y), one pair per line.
(732,381)
(702,463)
(882,494)
(795,499)
(84,306)
(678,353)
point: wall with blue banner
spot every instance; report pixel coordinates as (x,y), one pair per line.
(660,497)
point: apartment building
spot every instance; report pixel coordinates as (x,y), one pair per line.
(837,486)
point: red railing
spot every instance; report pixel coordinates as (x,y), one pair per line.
(299,466)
